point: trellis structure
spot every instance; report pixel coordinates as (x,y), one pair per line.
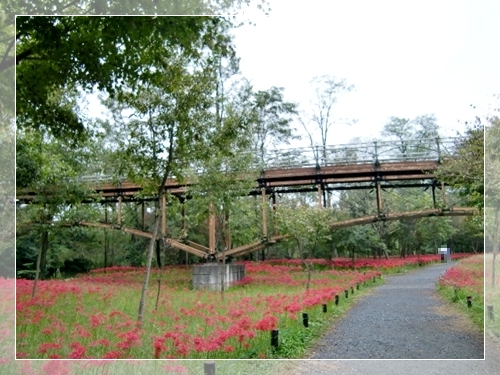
(375,165)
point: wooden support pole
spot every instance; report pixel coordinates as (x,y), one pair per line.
(105,213)
(443,193)
(320,196)
(119,216)
(143,227)
(275,207)
(184,222)
(163,216)
(264,213)
(211,229)
(379,198)
(434,195)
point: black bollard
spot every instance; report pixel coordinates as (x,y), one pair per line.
(469,301)
(274,338)
(352,290)
(337,300)
(210,368)
(305,319)
(346,292)
(490,312)
(324,308)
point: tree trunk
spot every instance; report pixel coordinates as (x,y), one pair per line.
(43,260)
(148,271)
(158,254)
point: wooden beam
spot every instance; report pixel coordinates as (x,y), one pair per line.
(189,249)
(137,232)
(240,250)
(198,246)
(251,247)
(457,211)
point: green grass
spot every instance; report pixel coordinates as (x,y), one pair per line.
(466,279)
(62,313)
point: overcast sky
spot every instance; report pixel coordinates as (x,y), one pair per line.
(405,58)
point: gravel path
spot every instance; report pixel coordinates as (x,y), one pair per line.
(489,366)
(403,319)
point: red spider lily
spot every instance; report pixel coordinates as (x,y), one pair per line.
(48,346)
(78,351)
(267,324)
(114,354)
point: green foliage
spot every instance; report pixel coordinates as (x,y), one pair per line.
(307,226)
(107,53)
(465,173)
(271,119)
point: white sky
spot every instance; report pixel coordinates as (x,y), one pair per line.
(405,58)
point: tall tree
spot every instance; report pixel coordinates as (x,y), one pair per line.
(417,135)
(271,119)
(107,53)
(321,117)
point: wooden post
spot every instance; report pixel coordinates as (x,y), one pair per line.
(211,229)
(379,198)
(320,196)
(119,215)
(163,216)
(434,195)
(443,193)
(105,213)
(275,206)
(143,216)
(184,223)
(264,213)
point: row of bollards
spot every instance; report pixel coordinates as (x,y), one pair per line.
(305,317)
(209,366)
